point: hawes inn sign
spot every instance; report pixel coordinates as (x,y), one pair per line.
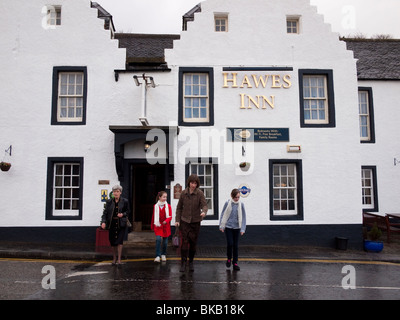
(257,81)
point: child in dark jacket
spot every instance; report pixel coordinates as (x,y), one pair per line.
(233,223)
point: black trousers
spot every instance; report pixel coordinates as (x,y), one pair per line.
(189,233)
(232,240)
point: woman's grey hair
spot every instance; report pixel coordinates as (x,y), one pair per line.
(117,187)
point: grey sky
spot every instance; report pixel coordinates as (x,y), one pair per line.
(369,17)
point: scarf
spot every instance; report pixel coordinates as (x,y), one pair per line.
(157,212)
(228,211)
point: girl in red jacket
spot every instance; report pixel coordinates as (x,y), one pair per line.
(160,223)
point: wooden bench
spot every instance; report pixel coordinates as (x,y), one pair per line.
(393,221)
(389,223)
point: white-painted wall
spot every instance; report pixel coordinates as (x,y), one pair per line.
(386,97)
(257,37)
(28,53)
(331,157)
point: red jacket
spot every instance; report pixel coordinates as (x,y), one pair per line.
(165,229)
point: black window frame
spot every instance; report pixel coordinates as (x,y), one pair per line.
(51,162)
(54,102)
(299,190)
(210,72)
(331,98)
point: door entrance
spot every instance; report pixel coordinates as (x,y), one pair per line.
(147,181)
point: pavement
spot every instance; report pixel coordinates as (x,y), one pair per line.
(141,245)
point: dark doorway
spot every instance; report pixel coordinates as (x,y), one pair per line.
(147,181)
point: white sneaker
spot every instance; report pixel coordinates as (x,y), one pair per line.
(163,258)
(157,259)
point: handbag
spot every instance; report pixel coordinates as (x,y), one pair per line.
(176,240)
(124,222)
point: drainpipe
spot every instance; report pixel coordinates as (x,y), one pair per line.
(143,118)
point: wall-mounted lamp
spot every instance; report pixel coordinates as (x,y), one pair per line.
(147,146)
(144,121)
(135,78)
(149,81)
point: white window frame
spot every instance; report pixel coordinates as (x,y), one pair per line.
(312,99)
(284,188)
(53,15)
(367,182)
(66,189)
(205,172)
(70,97)
(220,23)
(293,25)
(194,97)
(364,115)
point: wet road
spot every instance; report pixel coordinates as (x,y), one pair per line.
(142,279)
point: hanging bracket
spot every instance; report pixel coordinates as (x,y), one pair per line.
(9,150)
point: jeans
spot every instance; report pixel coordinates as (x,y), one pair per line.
(161,251)
(232,239)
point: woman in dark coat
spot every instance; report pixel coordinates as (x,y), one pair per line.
(190,211)
(114,218)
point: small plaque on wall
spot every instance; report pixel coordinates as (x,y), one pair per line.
(177,191)
(102,182)
(258,134)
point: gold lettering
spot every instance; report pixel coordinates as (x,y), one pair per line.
(286,79)
(271,102)
(242,101)
(257,104)
(276,81)
(233,80)
(260,79)
(247,82)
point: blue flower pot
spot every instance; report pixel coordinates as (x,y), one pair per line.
(373,246)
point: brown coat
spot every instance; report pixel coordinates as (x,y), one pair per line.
(190,206)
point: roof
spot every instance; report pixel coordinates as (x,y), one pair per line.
(145,49)
(377,59)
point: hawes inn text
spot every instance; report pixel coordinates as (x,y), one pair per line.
(274,81)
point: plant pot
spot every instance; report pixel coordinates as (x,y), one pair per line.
(5,166)
(373,246)
(245,166)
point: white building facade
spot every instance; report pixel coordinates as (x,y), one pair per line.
(57,90)
(257,95)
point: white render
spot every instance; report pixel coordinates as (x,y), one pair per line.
(331,157)
(28,53)
(382,154)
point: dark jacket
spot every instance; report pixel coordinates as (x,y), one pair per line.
(190,206)
(123,207)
